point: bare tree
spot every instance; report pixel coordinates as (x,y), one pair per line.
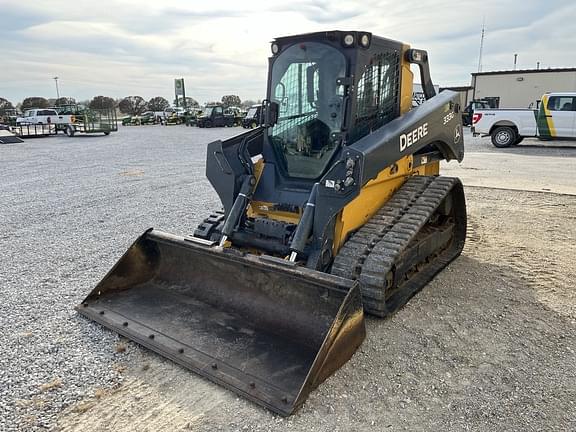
(102,102)
(65,101)
(248,103)
(158,103)
(34,102)
(133,105)
(190,102)
(5,105)
(231,100)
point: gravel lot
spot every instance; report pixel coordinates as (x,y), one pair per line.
(488,345)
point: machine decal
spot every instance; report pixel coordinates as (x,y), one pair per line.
(448,117)
(457,135)
(406,140)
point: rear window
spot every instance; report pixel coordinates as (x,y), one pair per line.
(46,113)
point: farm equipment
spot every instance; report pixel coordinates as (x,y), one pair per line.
(173,119)
(214,116)
(252,118)
(8,117)
(333,206)
(147,118)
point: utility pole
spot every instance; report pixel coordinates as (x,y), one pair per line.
(481,44)
(537,65)
(515,60)
(57,91)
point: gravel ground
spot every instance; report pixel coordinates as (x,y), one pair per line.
(69,207)
(489,345)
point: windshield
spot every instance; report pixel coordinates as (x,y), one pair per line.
(207,111)
(311,107)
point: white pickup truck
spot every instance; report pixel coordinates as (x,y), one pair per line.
(554,119)
(41,116)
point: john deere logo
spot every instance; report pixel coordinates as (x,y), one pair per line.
(457,135)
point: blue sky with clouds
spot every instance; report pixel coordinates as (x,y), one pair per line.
(137,47)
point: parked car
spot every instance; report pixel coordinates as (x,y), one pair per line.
(468,112)
(44,116)
(554,119)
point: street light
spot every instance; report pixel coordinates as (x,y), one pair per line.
(57,91)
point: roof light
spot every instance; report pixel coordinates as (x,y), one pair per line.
(348,40)
(365,40)
(275,48)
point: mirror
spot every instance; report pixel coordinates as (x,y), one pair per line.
(280,92)
(269,115)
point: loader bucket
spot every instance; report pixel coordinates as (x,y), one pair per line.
(260,326)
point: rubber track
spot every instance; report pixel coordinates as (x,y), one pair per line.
(370,254)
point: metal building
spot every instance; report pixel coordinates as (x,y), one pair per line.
(520,88)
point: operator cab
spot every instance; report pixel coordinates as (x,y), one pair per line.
(332,88)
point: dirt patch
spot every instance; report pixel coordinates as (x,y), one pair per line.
(163,397)
(488,345)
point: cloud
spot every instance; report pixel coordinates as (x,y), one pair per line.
(121,47)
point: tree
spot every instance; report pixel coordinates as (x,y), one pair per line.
(190,102)
(34,102)
(102,102)
(231,100)
(133,105)
(248,103)
(5,105)
(158,103)
(65,101)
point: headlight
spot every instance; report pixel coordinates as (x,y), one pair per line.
(275,48)
(348,40)
(365,41)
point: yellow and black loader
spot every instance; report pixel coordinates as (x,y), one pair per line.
(333,206)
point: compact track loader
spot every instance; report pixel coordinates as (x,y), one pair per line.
(332,207)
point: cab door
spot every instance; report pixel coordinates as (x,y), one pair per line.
(561,110)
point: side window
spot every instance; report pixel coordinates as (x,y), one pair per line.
(218,110)
(561,103)
(377,98)
(295,94)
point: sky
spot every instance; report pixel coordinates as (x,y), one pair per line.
(137,47)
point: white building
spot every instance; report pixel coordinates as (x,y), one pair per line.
(520,88)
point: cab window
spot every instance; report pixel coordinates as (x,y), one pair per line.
(561,103)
